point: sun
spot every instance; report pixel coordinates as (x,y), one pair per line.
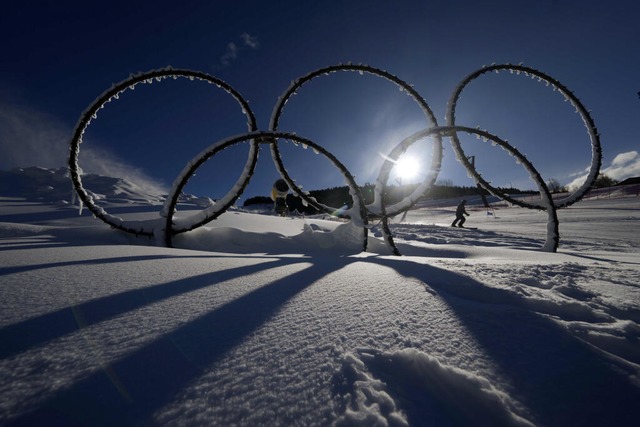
(407,168)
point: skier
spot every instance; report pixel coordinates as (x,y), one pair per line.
(279,197)
(460,213)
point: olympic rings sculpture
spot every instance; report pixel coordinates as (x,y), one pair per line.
(359,213)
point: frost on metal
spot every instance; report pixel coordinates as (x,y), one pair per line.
(547,203)
(168,225)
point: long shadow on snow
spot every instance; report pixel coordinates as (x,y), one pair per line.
(560,379)
(151,376)
(98,261)
(29,333)
(66,212)
(604,260)
(438,234)
(28,246)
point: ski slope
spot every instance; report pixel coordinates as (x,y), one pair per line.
(261,320)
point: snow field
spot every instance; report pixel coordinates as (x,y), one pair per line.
(259,320)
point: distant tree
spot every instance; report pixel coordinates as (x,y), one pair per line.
(258,200)
(604,181)
(445,182)
(338,197)
(554,186)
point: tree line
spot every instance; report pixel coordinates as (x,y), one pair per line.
(339,197)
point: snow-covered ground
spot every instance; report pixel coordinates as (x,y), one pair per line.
(261,320)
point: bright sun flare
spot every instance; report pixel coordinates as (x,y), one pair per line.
(407,168)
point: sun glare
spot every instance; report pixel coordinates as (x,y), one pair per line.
(407,168)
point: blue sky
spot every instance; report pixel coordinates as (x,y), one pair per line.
(59,56)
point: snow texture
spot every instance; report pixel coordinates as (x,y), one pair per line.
(261,320)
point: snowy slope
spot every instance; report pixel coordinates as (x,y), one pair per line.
(260,320)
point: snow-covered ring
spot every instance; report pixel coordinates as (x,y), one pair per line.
(357,213)
(181,225)
(596,150)
(553,236)
(373,209)
(113,93)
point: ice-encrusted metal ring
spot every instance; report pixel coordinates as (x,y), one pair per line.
(374,211)
(172,227)
(552,236)
(596,150)
(91,113)
(358,212)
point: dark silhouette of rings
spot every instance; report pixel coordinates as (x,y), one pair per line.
(357,212)
(168,225)
(113,93)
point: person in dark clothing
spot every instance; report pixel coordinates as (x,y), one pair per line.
(460,213)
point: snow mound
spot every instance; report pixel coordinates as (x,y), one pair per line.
(54,186)
(427,388)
